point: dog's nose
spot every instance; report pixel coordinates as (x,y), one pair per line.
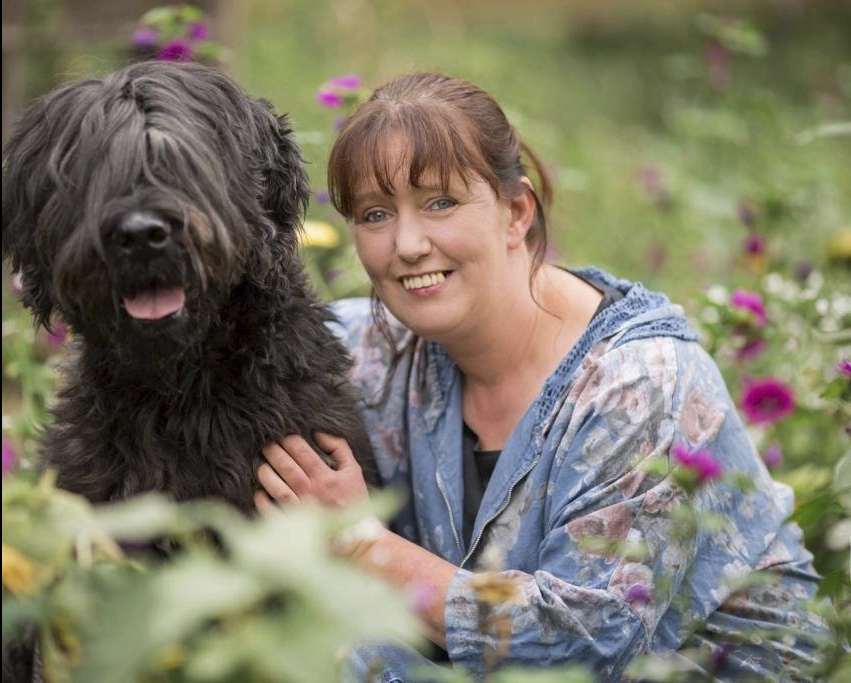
(141,229)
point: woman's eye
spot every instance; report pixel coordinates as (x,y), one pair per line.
(442,203)
(374,216)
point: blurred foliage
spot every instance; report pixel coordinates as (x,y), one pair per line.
(696,150)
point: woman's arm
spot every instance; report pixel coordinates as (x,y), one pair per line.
(294,473)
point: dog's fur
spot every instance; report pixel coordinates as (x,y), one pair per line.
(166,191)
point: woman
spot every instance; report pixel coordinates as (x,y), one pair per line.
(542,422)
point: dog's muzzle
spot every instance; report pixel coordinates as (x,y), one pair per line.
(142,237)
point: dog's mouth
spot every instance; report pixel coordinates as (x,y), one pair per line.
(155,304)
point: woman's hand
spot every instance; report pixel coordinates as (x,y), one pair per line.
(295,473)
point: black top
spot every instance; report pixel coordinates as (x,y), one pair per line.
(479,464)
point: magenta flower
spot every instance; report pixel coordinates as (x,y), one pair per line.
(751,302)
(56,337)
(773,457)
(754,244)
(145,37)
(16,284)
(751,350)
(701,462)
(10,458)
(638,593)
(176,50)
(347,82)
(329,98)
(844,367)
(421,597)
(766,401)
(198,30)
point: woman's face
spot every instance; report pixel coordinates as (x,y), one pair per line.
(440,261)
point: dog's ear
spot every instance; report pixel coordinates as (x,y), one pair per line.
(28,187)
(287,190)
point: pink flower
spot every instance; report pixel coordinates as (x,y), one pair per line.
(16,284)
(766,401)
(347,82)
(176,50)
(752,349)
(56,337)
(844,367)
(754,244)
(700,461)
(773,457)
(10,458)
(329,98)
(638,593)
(421,597)
(145,37)
(198,30)
(751,302)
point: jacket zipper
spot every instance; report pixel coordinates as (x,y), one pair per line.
(497,513)
(449,511)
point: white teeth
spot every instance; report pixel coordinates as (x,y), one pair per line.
(420,281)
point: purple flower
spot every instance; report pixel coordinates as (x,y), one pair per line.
(16,284)
(766,401)
(56,337)
(773,457)
(700,461)
(751,350)
(176,50)
(754,244)
(198,31)
(844,367)
(752,302)
(329,98)
(347,82)
(10,458)
(421,597)
(638,593)
(322,197)
(339,122)
(145,37)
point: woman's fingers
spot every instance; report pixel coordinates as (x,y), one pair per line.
(302,453)
(338,448)
(280,488)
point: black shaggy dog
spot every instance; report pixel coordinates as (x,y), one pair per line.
(157,211)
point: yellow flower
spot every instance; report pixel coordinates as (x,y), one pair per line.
(319,234)
(839,247)
(494,588)
(19,573)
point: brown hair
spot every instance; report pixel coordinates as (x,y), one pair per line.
(449,125)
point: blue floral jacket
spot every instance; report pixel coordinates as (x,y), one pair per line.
(582,515)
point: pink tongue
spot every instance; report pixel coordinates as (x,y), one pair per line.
(155,304)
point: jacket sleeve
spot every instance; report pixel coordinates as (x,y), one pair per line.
(627,562)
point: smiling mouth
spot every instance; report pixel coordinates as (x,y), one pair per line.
(422,281)
(155,304)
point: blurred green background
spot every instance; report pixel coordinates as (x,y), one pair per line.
(666,150)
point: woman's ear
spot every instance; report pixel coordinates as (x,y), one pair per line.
(522,214)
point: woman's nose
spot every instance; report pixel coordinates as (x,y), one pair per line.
(412,239)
